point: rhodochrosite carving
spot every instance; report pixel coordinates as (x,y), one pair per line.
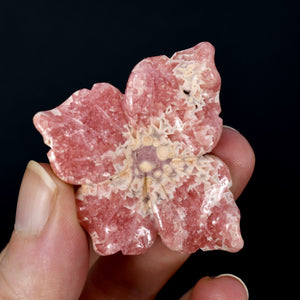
(141,159)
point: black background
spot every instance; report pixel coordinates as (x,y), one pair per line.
(49,49)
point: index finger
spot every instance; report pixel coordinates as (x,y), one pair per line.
(236,152)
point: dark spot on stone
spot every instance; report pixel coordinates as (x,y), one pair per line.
(146,199)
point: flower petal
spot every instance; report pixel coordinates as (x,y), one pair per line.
(112,221)
(84,133)
(183,91)
(201,212)
(151,88)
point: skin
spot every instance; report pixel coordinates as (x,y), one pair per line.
(57,263)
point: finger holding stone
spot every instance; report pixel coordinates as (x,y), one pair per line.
(47,244)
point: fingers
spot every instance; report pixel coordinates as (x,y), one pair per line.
(132,277)
(47,256)
(236,152)
(223,287)
(144,275)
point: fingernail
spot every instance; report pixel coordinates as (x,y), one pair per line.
(226,126)
(238,279)
(35,201)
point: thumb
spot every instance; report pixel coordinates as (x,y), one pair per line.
(47,255)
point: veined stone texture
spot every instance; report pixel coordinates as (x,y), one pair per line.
(142,158)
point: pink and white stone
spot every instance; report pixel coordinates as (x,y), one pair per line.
(141,158)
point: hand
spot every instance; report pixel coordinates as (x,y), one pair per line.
(48,255)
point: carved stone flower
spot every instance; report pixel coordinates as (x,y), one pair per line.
(141,158)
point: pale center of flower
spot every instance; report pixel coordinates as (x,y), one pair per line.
(153,166)
(149,161)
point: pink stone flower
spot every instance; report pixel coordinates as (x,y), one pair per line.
(141,158)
